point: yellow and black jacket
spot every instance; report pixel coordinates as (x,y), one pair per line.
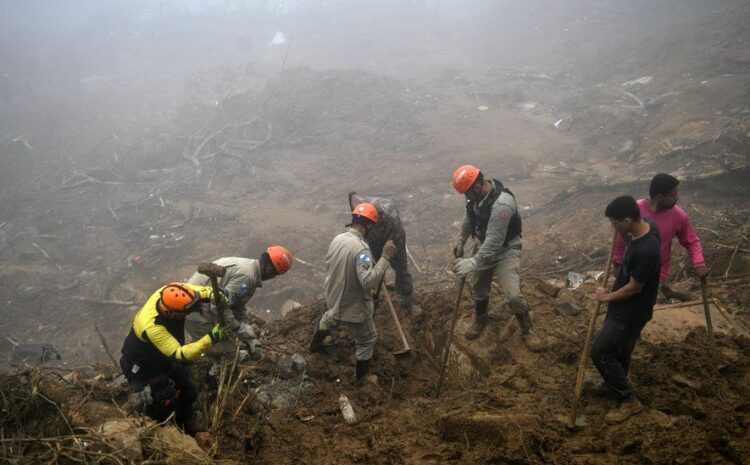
(156,343)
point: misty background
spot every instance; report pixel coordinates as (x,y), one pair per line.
(181,131)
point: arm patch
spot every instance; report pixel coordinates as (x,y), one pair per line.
(364,260)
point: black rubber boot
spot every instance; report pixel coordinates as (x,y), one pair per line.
(363,367)
(316,345)
(480,319)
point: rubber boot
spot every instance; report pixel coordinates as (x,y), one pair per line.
(316,345)
(480,319)
(533,342)
(363,367)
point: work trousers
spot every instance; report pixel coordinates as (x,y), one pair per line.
(611,352)
(400,266)
(364,333)
(508,271)
(173,390)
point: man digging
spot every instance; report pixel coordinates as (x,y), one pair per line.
(351,276)
(631,304)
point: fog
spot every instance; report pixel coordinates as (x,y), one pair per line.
(183,131)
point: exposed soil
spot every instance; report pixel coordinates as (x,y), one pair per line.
(177,162)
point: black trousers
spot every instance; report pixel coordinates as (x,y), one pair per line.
(172,390)
(403,279)
(611,352)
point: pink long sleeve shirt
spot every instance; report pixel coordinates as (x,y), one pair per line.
(671,223)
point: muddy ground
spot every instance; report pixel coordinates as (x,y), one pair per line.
(178,161)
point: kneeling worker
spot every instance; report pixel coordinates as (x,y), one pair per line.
(154,352)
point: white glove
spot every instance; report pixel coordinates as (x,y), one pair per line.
(245,331)
(464,266)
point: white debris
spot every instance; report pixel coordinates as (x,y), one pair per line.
(278,39)
(483,108)
(641,80)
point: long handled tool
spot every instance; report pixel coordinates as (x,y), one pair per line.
(450,334)
(214,272)
(587,342)
(406,350)
(707,311)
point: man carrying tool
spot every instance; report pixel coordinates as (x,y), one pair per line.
(154,354)
(631,304)
(351,276)
(243,276)
(492,218)
(388,227)
(672,221)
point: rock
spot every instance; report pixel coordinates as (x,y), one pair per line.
(299,364)
(550,287)
(289,306)
(125,435)
(569,309)
(684,381)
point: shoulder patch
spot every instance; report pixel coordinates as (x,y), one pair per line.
(504,214)
(364,260)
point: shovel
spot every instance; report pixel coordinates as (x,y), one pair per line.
(573,421)
(406,350)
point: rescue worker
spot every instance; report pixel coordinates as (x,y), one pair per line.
(351,276)
(243,276)
(492,219)
(388,227)
(154,354)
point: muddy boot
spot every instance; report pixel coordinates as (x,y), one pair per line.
(363,367)
(316,345)
(623,411)
(533,342)
(412,308)
(480,319)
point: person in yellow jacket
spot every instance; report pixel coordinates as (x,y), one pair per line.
(154,353)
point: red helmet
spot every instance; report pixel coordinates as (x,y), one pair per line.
(464,178)
(177,298)
(366,210)
(281,258)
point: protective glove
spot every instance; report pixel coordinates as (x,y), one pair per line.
(389,250)
(458,248)
(464,266)
(245,332)
(218,334)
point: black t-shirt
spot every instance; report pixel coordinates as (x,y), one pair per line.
(642,262)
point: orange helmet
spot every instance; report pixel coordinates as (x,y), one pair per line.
(177,298)
(280,257)
(366,210)
(464,178)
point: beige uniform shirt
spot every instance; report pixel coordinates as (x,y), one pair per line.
(351,275)
(241,280)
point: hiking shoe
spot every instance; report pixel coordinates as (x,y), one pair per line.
(623,411)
